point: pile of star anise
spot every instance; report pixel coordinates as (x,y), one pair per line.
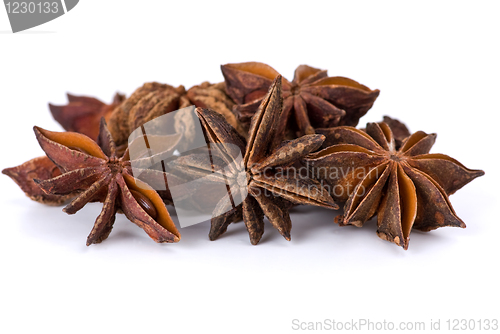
(278,127)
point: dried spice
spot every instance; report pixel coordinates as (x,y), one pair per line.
(312,100)
(261,173)
(148,102)
(82,114)
(407,188)
(213,96)
(38,168)
(399,130)
(248,170)
(94,170)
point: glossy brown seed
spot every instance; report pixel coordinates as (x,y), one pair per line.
(145,203)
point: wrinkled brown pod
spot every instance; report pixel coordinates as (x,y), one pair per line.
(145,104)
(213,96)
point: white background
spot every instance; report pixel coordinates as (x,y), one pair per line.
(437,66)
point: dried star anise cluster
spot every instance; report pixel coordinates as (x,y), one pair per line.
(260,129)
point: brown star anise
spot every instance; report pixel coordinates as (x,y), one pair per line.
(312,100)
(407,188)
(82,114)
(41,168)
(98,174)
(262,170)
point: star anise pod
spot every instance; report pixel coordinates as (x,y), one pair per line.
(262,170)
(407,188)
(41,168)
(98,174)
(82,114)
(312,100)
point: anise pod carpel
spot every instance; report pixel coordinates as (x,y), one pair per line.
(213,96)
(312,100)
(399,130)
(38,168)
(98,174)
(82,114)
(146,103)
(257,172)
(407,188)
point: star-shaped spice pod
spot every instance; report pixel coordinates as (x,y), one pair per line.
(96,172)
(82,113)
(41,168)
(406,188)
(259,175)
(311,100)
